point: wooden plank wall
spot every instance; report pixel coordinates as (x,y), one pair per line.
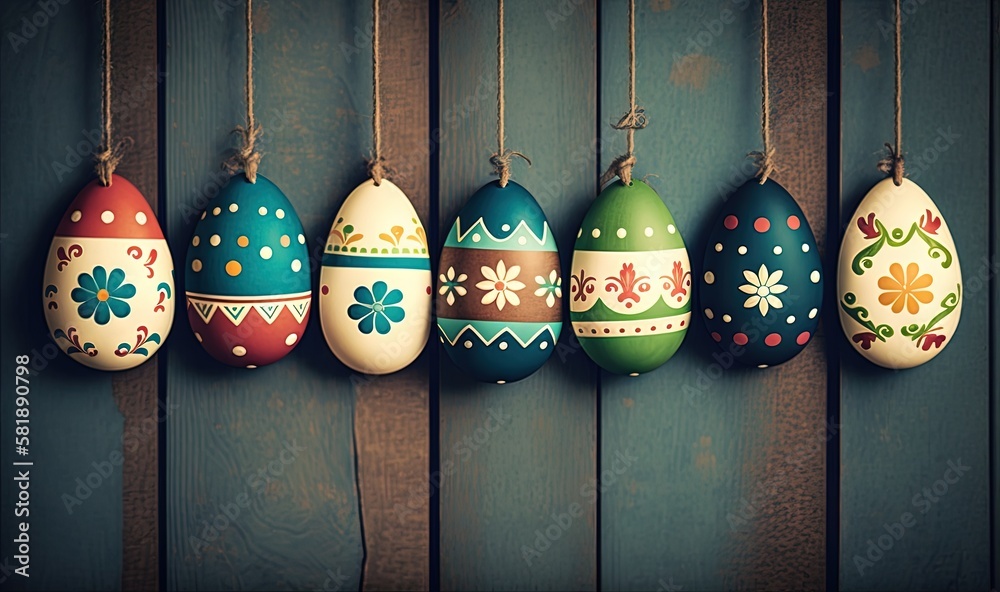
(901,429)
(728,487)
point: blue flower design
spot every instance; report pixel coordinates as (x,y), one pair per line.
(375,308)
(101,296)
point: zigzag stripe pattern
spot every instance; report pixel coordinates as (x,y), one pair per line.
(461,235)
(487,342)
(237,312)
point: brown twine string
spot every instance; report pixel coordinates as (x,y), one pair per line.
(247,158)
(893,163)
(110,154)
(765,158)
(377,168)
(502,158)
(634,119)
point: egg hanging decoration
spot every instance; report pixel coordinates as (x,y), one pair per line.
(499,312)
(108,284)
(762,280)
(630,292)
(761,285)
(247,277)
(375,284)
(630,288)
(499,299)
(899,284)
(109,279)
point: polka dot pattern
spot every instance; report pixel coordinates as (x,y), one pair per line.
(765,275)
(247,244)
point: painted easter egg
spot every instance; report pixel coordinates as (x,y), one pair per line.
(630,284)
(109,279)
(499,299)
(899,284)
(375,284)
(247,275)
(762,282)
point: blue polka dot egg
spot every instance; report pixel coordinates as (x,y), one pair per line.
(247,275)
(762,281)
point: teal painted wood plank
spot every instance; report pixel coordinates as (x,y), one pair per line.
(902,431)
(50,101)
(279,436)
(995,295)
(506,484)
(726,487)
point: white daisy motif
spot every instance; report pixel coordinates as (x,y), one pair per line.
(550,288)
(762,288)
(501,285)
(451,285)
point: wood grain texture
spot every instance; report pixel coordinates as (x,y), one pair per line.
(280,437)
(391,423)
(726,489)
(49,105)
(995,294)
(136,79)
(504,486)
(901,429)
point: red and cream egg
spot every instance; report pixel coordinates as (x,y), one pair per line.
(108,287)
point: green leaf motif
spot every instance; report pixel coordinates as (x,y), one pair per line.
(860,315)
(948,305)
(864,259)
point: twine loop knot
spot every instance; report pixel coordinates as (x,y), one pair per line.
(893,164)
(501,163)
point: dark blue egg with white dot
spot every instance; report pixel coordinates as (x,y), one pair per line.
(762,278)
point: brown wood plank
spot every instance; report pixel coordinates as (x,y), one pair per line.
(391,424)
(134,106)
(793,456)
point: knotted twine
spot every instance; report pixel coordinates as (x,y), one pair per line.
(247,158)
(502,157)
(765,158)
(634,119)
(377,168)
(892,164)
(109,154)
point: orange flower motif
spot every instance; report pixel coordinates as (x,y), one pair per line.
(908,290)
